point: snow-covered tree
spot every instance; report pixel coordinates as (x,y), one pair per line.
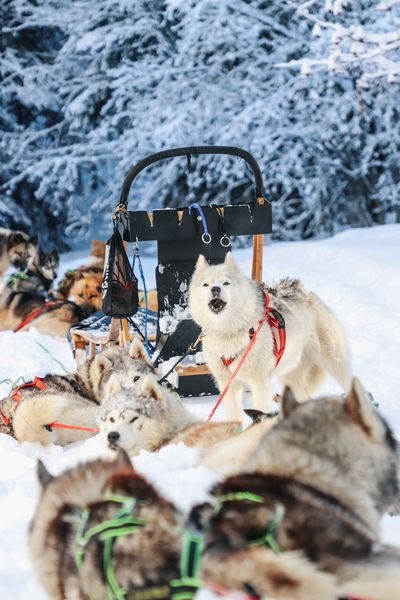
(88,88)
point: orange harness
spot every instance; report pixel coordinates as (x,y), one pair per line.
(275,321)
(277,324)
(40,385)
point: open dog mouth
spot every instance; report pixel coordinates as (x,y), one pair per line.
(216,305)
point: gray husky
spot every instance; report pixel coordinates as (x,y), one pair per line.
(101,531)
(16,248)
(318,483)
(150,416)
(70,399)
(40,273)
(229,307)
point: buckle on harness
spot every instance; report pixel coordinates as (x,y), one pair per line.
(37,382)
(278,317)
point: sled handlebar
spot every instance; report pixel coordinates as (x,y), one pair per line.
(188,152)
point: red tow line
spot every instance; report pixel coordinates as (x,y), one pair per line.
(34,314)
(40,385)
(276,322)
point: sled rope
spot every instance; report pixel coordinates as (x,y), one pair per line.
(190,350)
(52,356)
(206,237)
(275,321)
(136,255)
(34,314)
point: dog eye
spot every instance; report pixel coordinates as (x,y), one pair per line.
(80,295)
(112,419)
(227,283)
(134,419)
(205,285)
(136,379)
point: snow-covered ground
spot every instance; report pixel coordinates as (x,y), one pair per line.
(356,273)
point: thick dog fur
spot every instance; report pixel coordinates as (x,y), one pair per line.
(40,273)
(82,286)
(71,399)
(227,305)
(329,469)
(149,557)
(16,248)
(54,320)
(151,416)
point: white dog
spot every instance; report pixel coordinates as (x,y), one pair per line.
(228,307)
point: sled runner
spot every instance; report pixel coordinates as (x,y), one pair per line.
(182,234)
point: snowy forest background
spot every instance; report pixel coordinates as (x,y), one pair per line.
(89,87)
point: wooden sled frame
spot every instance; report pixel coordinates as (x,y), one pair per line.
(174,229)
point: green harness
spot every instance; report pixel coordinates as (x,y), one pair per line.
(125,523)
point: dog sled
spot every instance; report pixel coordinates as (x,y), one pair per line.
(182,234)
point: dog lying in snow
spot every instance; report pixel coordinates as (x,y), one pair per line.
(151,416)
(322,478)
(150,557)
(228,307)
(70,399)
(16,248)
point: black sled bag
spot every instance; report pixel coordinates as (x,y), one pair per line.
(120,294)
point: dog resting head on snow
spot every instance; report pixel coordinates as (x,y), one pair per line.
(150,416)
(143,417)
(229,307)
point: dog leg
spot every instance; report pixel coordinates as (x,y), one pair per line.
(262,395)
(233,398)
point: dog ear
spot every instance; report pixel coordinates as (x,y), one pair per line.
(43,475)
(201,264)
(231,262)
(138,352)
(15,238)
(256,416)
(289,402)
(113,386)
(151,388)
(123,461)
(359,407)
(101,364)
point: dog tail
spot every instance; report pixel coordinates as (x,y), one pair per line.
(288,576)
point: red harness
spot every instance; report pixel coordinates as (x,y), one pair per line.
(277,324)
(34,314)
(17,396)
(40,385)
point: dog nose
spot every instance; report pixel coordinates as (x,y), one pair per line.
(113,437)
(215,290)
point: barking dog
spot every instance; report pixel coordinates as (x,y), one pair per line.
(100,528)
(150,416)
(321,478)
(70,399)
(16,248)
(228,307)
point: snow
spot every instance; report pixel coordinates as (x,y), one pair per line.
(355,272)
